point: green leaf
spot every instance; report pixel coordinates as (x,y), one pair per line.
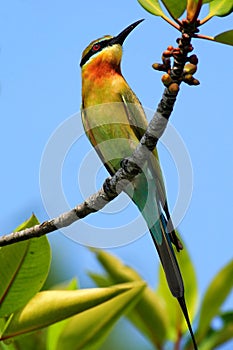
(32,221)
(174,7)
(220,8)
(35,341)
(225,37)
(216,338)
(135,315)
(88,330)
(152,6)
(101,280)
(48,307)
(10,346)
(176,318)
(54,331)
(67,285)
(214,297)
(2,324)
(24,268)
(148,315)
(227,316)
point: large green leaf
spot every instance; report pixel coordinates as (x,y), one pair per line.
(214,297)
(88,330)
(152,6)
(148,315)
(135,315)
(220,8)
(174,7)
(225,37)
(54,331)
(48,307)
(24,268)
(176,318)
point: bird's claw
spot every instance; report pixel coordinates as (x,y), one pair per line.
(130,167)
(108,188)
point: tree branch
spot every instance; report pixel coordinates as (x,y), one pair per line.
(131,166)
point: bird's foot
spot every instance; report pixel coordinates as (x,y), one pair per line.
(130,167)
(108,188)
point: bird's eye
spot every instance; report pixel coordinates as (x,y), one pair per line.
(96,47)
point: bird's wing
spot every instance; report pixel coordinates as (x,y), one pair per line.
(90,134)
(137,117)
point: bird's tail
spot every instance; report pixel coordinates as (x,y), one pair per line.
(167,257)
(171,268)
(147,198)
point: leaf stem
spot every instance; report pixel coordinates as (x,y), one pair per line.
(205,19)
(178,340)
(206,37)
(167,19)
(197,11)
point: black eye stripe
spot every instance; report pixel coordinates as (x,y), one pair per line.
(97,47)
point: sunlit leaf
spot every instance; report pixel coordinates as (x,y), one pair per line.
(67,285)
(24,268)
(225,38)
(54,331)
(176,318)
(148,315)
(220,8)
(32,221)
(174,7)
(103,281)
(48,307)
(152,6)
(214,297)
(89,329)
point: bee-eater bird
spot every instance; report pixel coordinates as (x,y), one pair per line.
(114,122)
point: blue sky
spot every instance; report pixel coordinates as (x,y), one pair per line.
(40,47)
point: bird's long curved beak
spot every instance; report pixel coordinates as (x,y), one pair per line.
(120,38)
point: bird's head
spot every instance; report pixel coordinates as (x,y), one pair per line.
(107,49)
